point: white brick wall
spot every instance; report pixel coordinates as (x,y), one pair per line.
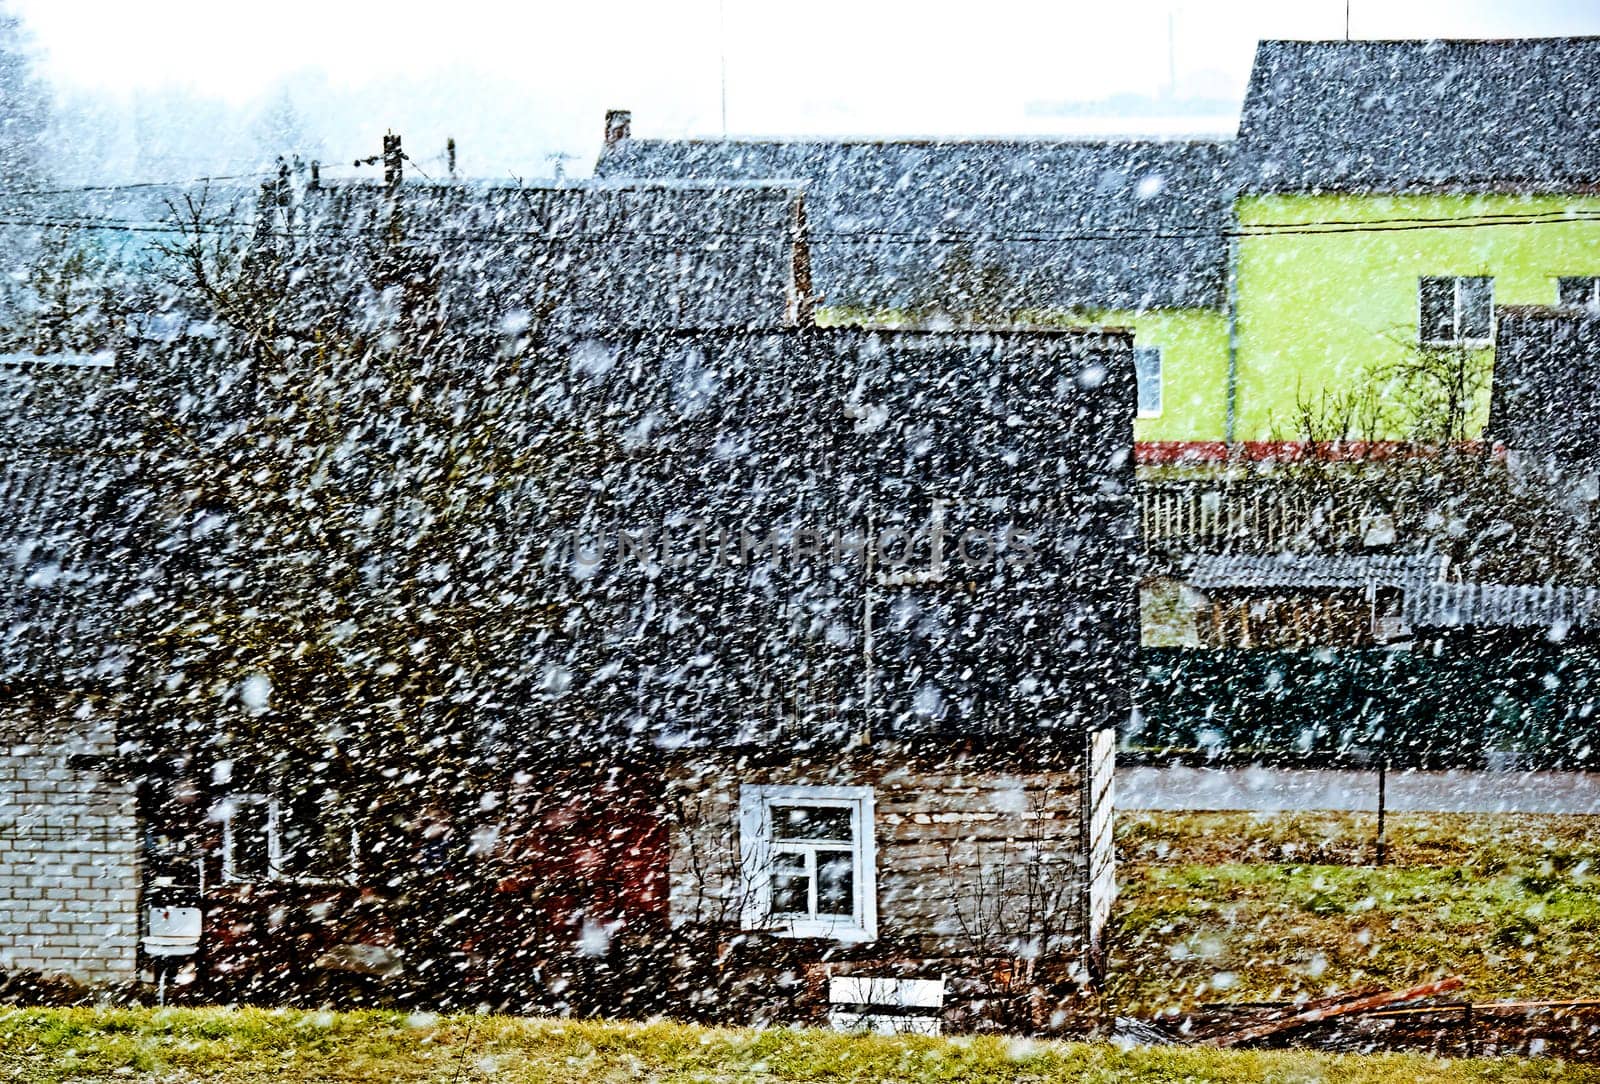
(69,857)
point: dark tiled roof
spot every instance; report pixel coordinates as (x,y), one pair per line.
(1398,115)
(1312,571)
(1010,225)
(62,532)
(830,429)
(594,256)
(62,586)
(1545,400)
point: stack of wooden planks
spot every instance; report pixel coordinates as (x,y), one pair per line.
(1414,1019)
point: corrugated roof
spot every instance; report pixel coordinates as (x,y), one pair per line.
(1398,115)
(1463,605)
(1314,571)
(1015,224)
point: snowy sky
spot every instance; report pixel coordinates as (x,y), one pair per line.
(517,80)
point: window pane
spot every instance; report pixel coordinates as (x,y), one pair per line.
(1578,290)
(1437,299)
(811,822)
(1477,307)
(791,888)
(1147,364)
(315,835)
(836,883)
(247,832)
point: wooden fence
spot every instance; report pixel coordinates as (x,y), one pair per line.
(1259,516)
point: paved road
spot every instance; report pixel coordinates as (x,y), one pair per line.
(1270,789)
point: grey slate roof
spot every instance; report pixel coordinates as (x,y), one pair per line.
(1401,115)
(591,257)
(61,582)
(1313,571)
(1020,224)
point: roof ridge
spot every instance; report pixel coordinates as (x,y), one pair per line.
(1430,41)
(1218,141)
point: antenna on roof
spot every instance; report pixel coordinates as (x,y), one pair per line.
(559,157)
(1346,20)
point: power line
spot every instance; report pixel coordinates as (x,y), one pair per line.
(907,238)
(132,185)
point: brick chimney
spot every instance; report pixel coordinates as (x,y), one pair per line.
(619,126)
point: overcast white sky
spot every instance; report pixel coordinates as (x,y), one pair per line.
(517,80)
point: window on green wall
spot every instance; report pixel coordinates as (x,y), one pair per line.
(1578,290)
(1147,367)
(1456,309)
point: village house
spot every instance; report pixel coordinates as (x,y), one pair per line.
(1008,232)
(888,743)
(1308,299)
(1351,223)
(825,760)
(70,838)
(128,795)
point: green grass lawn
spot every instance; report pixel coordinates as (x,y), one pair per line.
(1247,907)
(1214,907)
(235,1046)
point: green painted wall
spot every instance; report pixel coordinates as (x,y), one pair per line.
(1194,359)
(1194,366)
(1325,309)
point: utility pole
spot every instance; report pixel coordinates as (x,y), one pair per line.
(1346,20)
(393,159)
(450,155)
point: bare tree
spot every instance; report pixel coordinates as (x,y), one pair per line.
(343,489)
(1017,908)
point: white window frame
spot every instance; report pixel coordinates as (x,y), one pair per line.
(1455,285)
(1161,376)
(756,848)
(230,869)
(274,873)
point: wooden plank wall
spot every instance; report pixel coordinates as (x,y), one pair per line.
(972,858)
